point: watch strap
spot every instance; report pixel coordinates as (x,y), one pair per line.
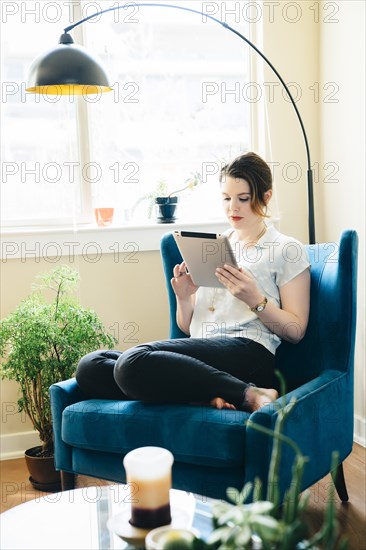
(260,307)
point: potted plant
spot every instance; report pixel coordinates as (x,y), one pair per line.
(264,524)
(41,343)
(166,202)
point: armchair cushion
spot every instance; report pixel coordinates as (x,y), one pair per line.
(194,434)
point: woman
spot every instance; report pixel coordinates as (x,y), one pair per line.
(228,359)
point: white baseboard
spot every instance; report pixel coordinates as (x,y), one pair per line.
(359,435)
(14,445)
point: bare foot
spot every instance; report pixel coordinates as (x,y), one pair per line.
(220,403)
(256,398)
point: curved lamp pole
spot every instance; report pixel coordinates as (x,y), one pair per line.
(69,69)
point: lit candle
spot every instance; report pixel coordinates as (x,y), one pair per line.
(149,472)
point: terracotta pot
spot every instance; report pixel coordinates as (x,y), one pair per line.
(43,475)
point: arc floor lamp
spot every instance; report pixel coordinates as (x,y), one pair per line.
(69,69)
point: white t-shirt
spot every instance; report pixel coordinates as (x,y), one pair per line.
(273,261)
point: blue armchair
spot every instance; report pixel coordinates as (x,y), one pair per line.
(214,449)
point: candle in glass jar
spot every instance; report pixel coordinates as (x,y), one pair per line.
(148,471)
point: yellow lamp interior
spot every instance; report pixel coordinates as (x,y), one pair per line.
(69,89)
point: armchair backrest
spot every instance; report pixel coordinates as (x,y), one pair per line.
(171,256)
(330,336)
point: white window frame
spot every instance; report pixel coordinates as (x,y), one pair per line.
(50,241)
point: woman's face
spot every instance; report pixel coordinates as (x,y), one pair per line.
(236,198)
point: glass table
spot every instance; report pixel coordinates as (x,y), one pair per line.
(78,519)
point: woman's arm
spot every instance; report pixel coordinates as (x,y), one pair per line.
(289,322)
(184,313)
(185,290)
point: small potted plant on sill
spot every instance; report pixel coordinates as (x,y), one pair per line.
(166,202)
(41,343)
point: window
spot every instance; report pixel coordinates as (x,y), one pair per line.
(176,108)
(38,133)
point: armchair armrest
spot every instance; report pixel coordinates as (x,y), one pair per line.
(320,423)
(63,394)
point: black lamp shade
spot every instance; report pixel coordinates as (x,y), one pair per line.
(67,69)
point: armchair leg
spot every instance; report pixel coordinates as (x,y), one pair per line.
(340,483)
(67,481)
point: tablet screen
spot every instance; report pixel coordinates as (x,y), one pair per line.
(203,253)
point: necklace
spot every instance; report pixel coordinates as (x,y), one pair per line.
(212,306)
(259,236)
(261,233)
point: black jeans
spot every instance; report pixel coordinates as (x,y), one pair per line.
(186,370)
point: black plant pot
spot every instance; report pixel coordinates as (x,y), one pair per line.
(166,207)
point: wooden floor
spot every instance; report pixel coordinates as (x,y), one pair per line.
(16,489)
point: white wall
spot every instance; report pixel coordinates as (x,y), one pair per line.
(342,63)
(291,42)
(322,50)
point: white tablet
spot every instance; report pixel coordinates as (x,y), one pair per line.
(203,253)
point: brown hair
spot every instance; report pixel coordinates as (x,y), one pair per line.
(253,169)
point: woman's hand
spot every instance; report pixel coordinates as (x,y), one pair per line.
(182,283)
(185,290)
(289,321)
(240,283)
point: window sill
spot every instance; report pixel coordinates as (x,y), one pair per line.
(91,241)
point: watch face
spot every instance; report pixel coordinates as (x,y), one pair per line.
(260,308)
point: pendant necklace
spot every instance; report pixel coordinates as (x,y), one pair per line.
(261,233)
(259,236)
(212,306)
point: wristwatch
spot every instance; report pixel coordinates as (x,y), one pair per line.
(260,307)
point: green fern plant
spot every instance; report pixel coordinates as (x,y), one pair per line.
(42,341)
